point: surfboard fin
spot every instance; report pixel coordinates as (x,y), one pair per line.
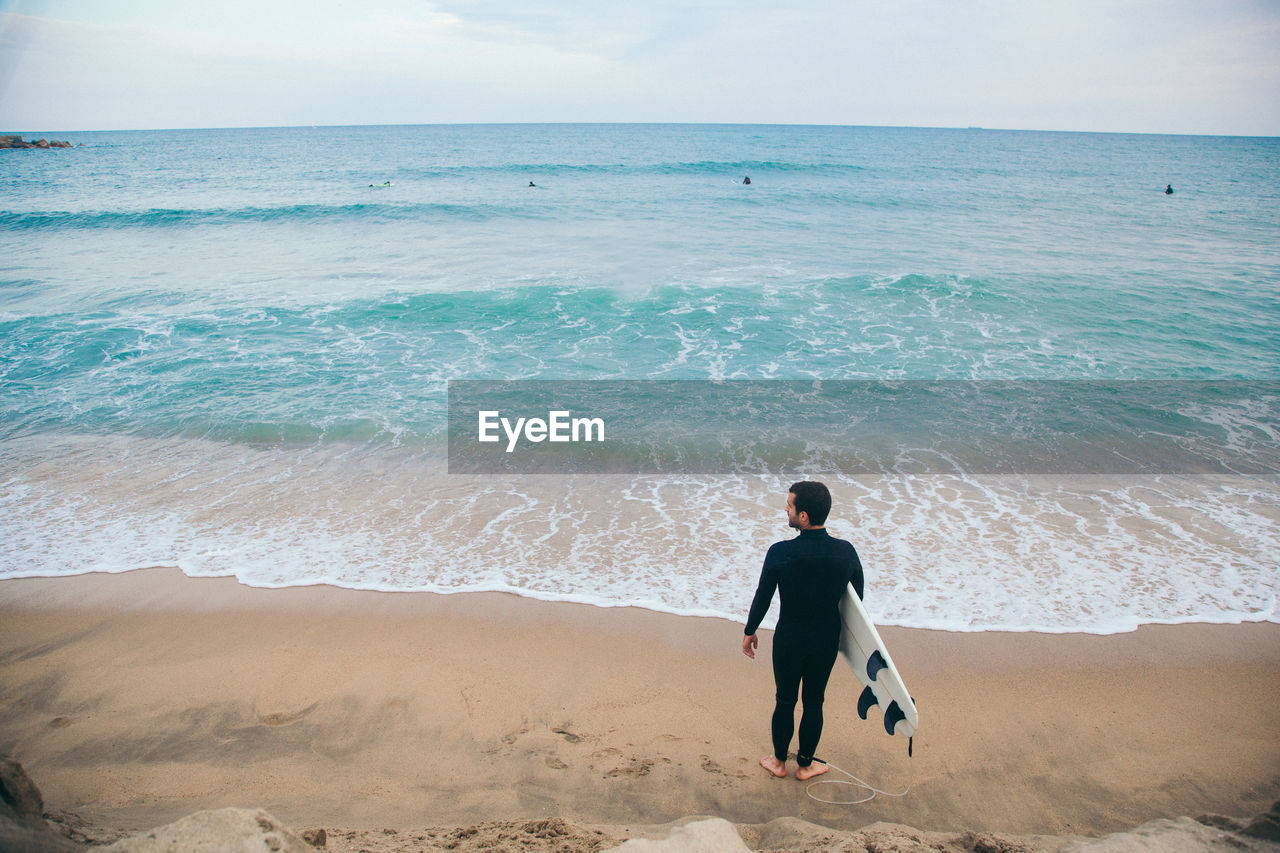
(892,716)
(875,663)
(865,701)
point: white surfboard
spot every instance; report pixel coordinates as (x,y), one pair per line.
(867,656)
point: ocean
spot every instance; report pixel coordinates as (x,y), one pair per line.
(232,351)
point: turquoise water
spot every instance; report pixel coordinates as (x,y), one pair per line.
(226,350)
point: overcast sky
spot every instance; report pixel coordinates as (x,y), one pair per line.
(1175,66)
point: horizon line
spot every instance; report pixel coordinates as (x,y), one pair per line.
(970,128)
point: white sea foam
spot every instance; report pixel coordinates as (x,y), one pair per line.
(1096,554)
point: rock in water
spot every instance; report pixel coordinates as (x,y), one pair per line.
(17,142)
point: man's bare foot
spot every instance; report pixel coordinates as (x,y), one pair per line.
(814,769)
(774,766)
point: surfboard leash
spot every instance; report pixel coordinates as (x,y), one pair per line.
(858,783)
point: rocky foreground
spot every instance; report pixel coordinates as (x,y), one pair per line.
(18,142)
(25,827)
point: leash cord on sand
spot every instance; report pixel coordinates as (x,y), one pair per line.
(856,783)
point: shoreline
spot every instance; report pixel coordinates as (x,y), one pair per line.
(133,699)
(329,594)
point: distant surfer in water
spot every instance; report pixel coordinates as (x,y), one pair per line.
(811,572)
(746,179)
(532,184)
(1168,190)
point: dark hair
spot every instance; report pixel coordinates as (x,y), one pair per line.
(814,498)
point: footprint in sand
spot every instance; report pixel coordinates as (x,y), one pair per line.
(710,766)
(637,767)
(511,737)
(279,718)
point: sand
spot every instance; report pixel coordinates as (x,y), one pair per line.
(135,699)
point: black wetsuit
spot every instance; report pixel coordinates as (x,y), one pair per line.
(811,571)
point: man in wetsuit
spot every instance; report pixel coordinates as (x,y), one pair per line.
(811,572)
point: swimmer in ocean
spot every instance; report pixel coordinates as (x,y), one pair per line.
(1168,190)
(746,179)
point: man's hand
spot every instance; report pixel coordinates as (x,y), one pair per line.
(749,644)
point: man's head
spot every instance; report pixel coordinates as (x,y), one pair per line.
(808,504)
